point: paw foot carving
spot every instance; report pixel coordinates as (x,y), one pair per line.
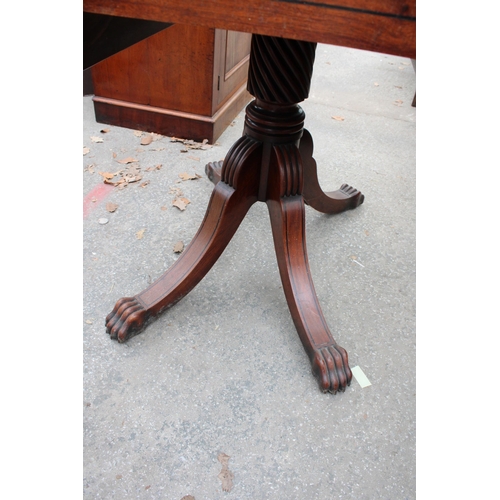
(214,170)
(330,366)
(126,320)
(355,195)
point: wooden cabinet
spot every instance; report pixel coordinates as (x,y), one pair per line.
(185,81)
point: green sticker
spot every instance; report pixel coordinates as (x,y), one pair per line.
(361,378)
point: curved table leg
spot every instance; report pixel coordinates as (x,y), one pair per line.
(287,211)
(228,206)
(333,202)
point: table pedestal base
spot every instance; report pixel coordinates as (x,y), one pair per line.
(272,162)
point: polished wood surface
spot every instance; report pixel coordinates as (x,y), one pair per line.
(185,81)
(387,26)
(272,162)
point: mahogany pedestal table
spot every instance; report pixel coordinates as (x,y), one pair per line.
(272,162)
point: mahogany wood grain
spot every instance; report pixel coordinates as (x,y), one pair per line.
(227,208)
(332,202)
(387,26)
(272,162)
(185,81)
(169,122)
(269,163)
(156,71)
(231,68)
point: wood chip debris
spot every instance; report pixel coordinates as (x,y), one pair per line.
(338,118)
(179,247)
(127,176)
(146,139)
(139,235)
(225,475)
(190,144)
(181,203)
(111,207)
(151,169)
(108,175)
(189,177)
(127,160)
(96,139)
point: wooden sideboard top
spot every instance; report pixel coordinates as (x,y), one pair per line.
(387,26)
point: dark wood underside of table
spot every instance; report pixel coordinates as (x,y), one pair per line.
(386,26)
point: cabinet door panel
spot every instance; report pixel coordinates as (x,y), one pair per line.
(232,68)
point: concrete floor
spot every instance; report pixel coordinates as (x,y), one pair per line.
(224,371)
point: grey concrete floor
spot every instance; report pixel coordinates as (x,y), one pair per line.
(224,371)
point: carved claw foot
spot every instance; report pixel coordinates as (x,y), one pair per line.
(126,320)
(332,202)
(330,366)
(213,171)
(355,196)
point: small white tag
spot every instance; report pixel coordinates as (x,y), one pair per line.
(360,377)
